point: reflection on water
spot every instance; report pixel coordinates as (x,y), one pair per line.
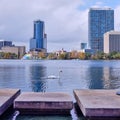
(111,78)
(11,75)
(36,74)
(31,76)
(95,77)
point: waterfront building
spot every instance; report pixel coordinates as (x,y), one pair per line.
(36,53)
(83,46)
(32,44)
(18,50)
(100,21)
(59,52)
(39,39)
(5,43)
(112,41)
(45,42)
(89,51)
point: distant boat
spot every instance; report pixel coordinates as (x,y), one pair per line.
(53,76)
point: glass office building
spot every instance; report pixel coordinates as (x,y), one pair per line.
(83,46)
(100,21)
(37,42)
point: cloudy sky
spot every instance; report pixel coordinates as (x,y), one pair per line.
(66,21)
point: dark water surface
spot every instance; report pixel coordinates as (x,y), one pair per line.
(29,75)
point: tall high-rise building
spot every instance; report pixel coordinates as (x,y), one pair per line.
(39,37)
(100,21)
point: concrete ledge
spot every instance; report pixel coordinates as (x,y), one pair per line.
(44,103)
(98,103)
(7,97)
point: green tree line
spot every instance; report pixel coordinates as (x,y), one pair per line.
(85,56)
(8,55)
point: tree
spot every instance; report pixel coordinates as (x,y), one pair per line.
(51,56)
(111,55)
(63,56)
(41,55)
(87,56)
(116,56)
(6,56)
(73,54)
(1,55)
(81,55)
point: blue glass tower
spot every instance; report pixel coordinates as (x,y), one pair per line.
(39,33)
(37,42)
(100,21)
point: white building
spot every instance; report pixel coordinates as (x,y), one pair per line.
(112,41)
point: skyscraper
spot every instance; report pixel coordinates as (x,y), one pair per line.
(38,40)
(100,21)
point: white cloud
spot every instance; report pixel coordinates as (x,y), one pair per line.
(100,5)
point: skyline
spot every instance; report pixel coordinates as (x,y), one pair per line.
(66,22)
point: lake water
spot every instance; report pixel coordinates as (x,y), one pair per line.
(30,75)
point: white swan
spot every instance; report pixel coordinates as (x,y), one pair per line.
(54,77)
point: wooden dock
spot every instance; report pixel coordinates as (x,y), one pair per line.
(98,103)
(7,97)
(43,103)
